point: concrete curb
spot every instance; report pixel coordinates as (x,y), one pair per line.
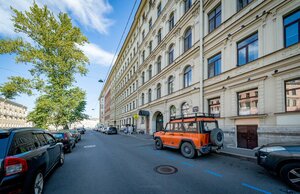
(239,156)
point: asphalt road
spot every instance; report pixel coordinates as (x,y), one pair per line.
(123,164)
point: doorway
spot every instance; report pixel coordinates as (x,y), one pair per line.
(247,136)
(159,122)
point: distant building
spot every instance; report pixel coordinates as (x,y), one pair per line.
(101,109)
(87,123)
(12,114)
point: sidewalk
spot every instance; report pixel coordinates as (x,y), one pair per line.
(240,153)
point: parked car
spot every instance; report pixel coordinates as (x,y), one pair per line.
(75,134)
(283,159)
(27,155)
(103,129)
(111,130)
(192,134)
(66,138)
(81,130)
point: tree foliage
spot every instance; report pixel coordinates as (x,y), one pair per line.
(52,50)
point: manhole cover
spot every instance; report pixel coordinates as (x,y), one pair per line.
(165,169)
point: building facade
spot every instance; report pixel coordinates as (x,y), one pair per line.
(12,114)
(234,58)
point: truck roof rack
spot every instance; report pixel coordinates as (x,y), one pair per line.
(192,116)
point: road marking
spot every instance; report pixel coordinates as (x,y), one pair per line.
(187,164)
(89,146)
(255,188)
(213,173)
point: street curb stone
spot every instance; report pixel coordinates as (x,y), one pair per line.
(239,156)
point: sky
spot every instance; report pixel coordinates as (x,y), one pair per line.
(101,21)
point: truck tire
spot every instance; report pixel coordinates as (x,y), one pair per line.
(158,144)
(187,150)
(217,137)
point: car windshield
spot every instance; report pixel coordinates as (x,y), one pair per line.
(209,126)
(58,135)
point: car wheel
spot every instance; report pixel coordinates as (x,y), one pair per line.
(61,159)
(290,173)
(158,144)
(187,150)
(38,183)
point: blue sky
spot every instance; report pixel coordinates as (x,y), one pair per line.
(101,21)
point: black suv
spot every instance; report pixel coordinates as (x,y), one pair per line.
(27,155)
(283,159)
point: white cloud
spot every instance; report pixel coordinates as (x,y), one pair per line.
(97,55)
(88,13)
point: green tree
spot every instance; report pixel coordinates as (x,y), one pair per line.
(53,52)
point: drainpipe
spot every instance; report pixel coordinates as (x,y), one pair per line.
(201,15)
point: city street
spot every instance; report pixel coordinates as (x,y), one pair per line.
(124,164)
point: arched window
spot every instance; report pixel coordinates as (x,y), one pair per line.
(143,99)
(172,111)
(171,54)
(187,78)
(170,85)
(150,72)
(158,91)
(187,5)
(185,108)
(149,95)
(158,36)
(158,64)
(171,21)
(143,77)
(187,39)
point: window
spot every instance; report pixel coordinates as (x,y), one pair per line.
(149,95)
(242,3)
(170,85)
(214,65)
(248,101)
(190,127)
(158,36)
(187,39)
(292,95)
(133,104)
(49,138)
(187,5)
(158,64)
(158,91)
(214,106)
(172,111)
(171,21)
(159,9)
(292,29)
(142,120)
(143,77)
(143,98)
(150,72)
(143,56)
(22,143)
(150,24)
(171,54)
(143,34)
(187,77)
(214,18)
(185,108)
(247,49)
(150,47)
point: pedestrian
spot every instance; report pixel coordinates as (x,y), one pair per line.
(130,129)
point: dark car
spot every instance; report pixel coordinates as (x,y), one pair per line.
(81,130)
(283,159)
(66,138)
(27,155)
(111,130)
(75,134)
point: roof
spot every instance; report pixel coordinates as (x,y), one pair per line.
(24,129)
(13,103)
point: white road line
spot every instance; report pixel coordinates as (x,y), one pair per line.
(89,146)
